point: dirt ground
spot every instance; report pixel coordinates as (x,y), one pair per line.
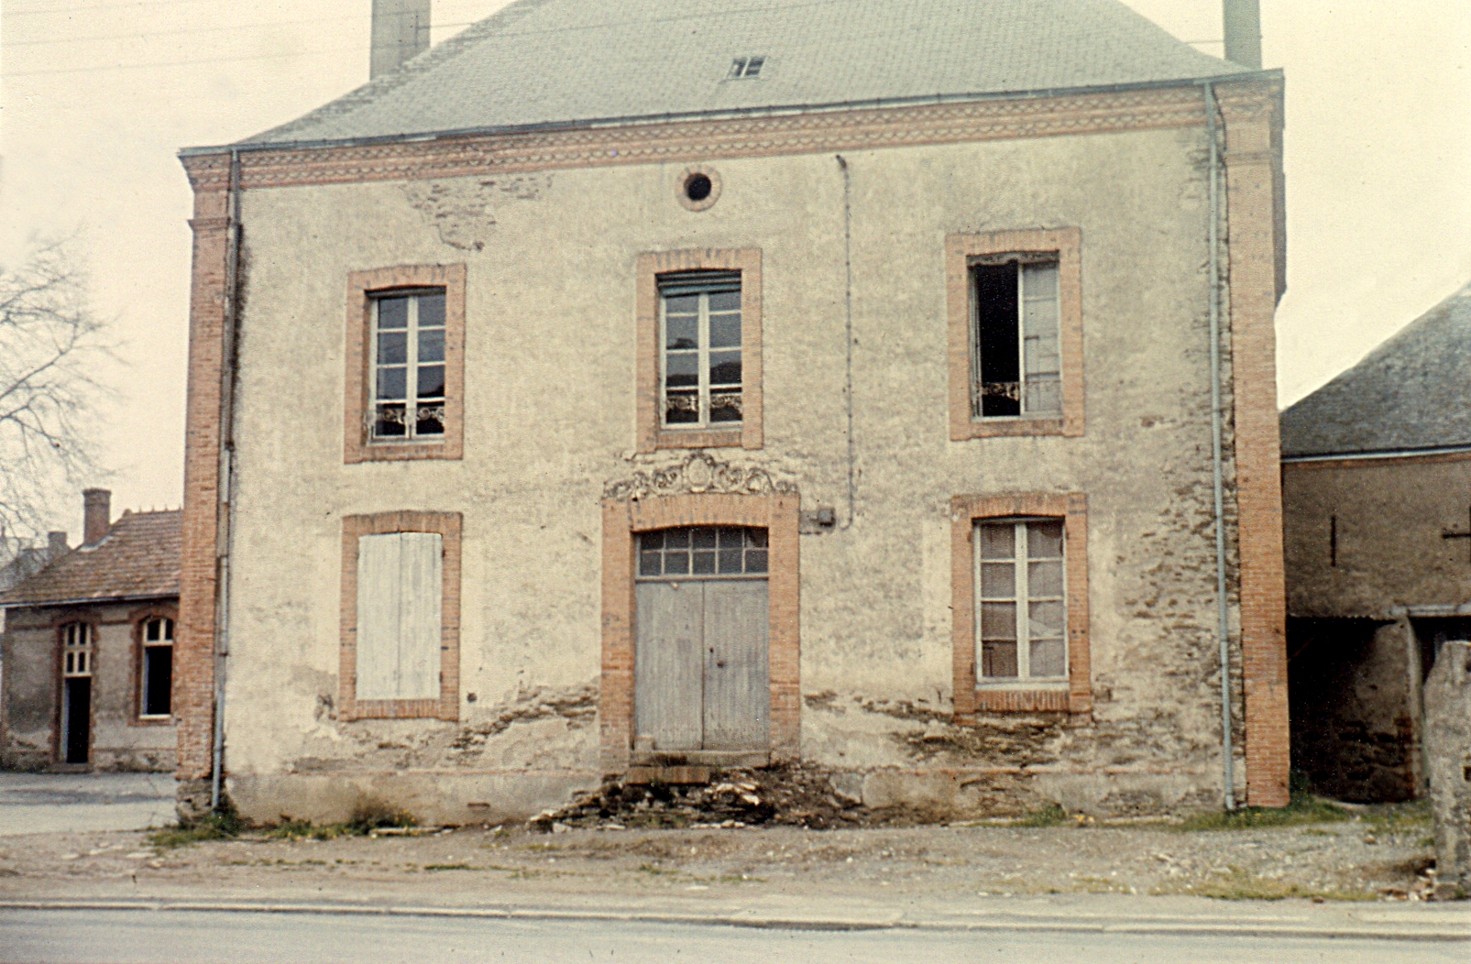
(1376,853)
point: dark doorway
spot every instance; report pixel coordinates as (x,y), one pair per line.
(77,719)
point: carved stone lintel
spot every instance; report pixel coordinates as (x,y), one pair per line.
(700,473)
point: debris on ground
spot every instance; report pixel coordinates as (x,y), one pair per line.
(789,795)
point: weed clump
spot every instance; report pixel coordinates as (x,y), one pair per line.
(1303,808)
(222,824)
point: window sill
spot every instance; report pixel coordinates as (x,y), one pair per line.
(1011,427)
(699,438)
(1031,699)
(403,451)
(167,720)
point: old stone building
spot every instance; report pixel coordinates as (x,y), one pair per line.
(644,384)
(1376,481)
(88,649)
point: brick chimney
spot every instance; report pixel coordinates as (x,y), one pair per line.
(1243,23)
(400,31)
(96,515)
(56,546)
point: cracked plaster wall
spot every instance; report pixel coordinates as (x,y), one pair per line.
(550,377)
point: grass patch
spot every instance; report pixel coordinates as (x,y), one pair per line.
(1052,815)
(1305,808)
(1240,885)
(219,825)
(1394,817)
(365,819)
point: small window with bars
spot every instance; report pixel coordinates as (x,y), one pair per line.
(1016,363)
(702,552)
(156,667)
(1021,598)
(408,365)
(76,649)
(700,361)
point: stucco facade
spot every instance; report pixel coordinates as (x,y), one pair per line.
(855,456)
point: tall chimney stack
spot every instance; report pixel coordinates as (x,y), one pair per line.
(96,515)
(1243,23)
(400,31)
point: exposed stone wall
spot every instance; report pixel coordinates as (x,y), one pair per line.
(32,690)
(1353,725)
(550,425)
(1448,752)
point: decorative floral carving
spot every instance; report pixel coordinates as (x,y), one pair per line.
(699,473)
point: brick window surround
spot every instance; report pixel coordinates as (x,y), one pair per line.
(622,523)
(362,288)
(652,434)
(447,706)
(963,250)
(139,618)
(972,697)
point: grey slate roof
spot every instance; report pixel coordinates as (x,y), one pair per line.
(541,62)
(1412,392)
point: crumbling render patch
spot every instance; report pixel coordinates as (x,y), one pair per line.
(462,210)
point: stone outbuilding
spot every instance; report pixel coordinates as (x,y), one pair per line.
(89,649)
(662,385)
(1376,475)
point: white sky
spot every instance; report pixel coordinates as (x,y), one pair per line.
(98,96)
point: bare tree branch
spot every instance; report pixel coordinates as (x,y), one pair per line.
(51,346)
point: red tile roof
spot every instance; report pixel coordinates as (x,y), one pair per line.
(138,558)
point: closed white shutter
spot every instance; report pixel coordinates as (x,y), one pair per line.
(399,595)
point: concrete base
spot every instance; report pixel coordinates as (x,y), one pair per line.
(430,797)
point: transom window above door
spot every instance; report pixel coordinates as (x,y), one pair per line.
(700,328)
(702,552)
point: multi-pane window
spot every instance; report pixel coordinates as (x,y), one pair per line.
(1021,598)
(1015,358)
(745,67)
(76,649)
(408,365)
(156,667)
(707,551)
(700,361)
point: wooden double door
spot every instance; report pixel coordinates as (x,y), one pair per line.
(702,678)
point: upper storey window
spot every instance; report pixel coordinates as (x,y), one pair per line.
(405,363)
(700,325)
(742,68)
(408,368)
(1016,333)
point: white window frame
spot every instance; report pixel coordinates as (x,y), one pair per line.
(977,383)
(704,391)
(165,640)
(1021,599)
(410,400)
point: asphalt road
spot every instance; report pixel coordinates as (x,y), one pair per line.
(161,935)
(78,802)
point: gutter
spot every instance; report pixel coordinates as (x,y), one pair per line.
(226,480)
(1223,625)
(782,110)
(86,600)
(1379,454)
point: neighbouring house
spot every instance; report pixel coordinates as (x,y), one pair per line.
(19,559)
(632,388)
(88,649)
(1376,477)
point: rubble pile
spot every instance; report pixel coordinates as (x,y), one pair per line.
(790,795)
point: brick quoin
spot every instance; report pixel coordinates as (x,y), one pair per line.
(194,667)
(1252,115)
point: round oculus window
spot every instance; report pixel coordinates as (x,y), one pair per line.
(697,187)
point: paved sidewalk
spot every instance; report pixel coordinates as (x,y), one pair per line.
(1074,913)
(84,802)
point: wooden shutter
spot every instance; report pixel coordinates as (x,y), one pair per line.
(400,586)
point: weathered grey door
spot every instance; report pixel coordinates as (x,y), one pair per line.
(700,663)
